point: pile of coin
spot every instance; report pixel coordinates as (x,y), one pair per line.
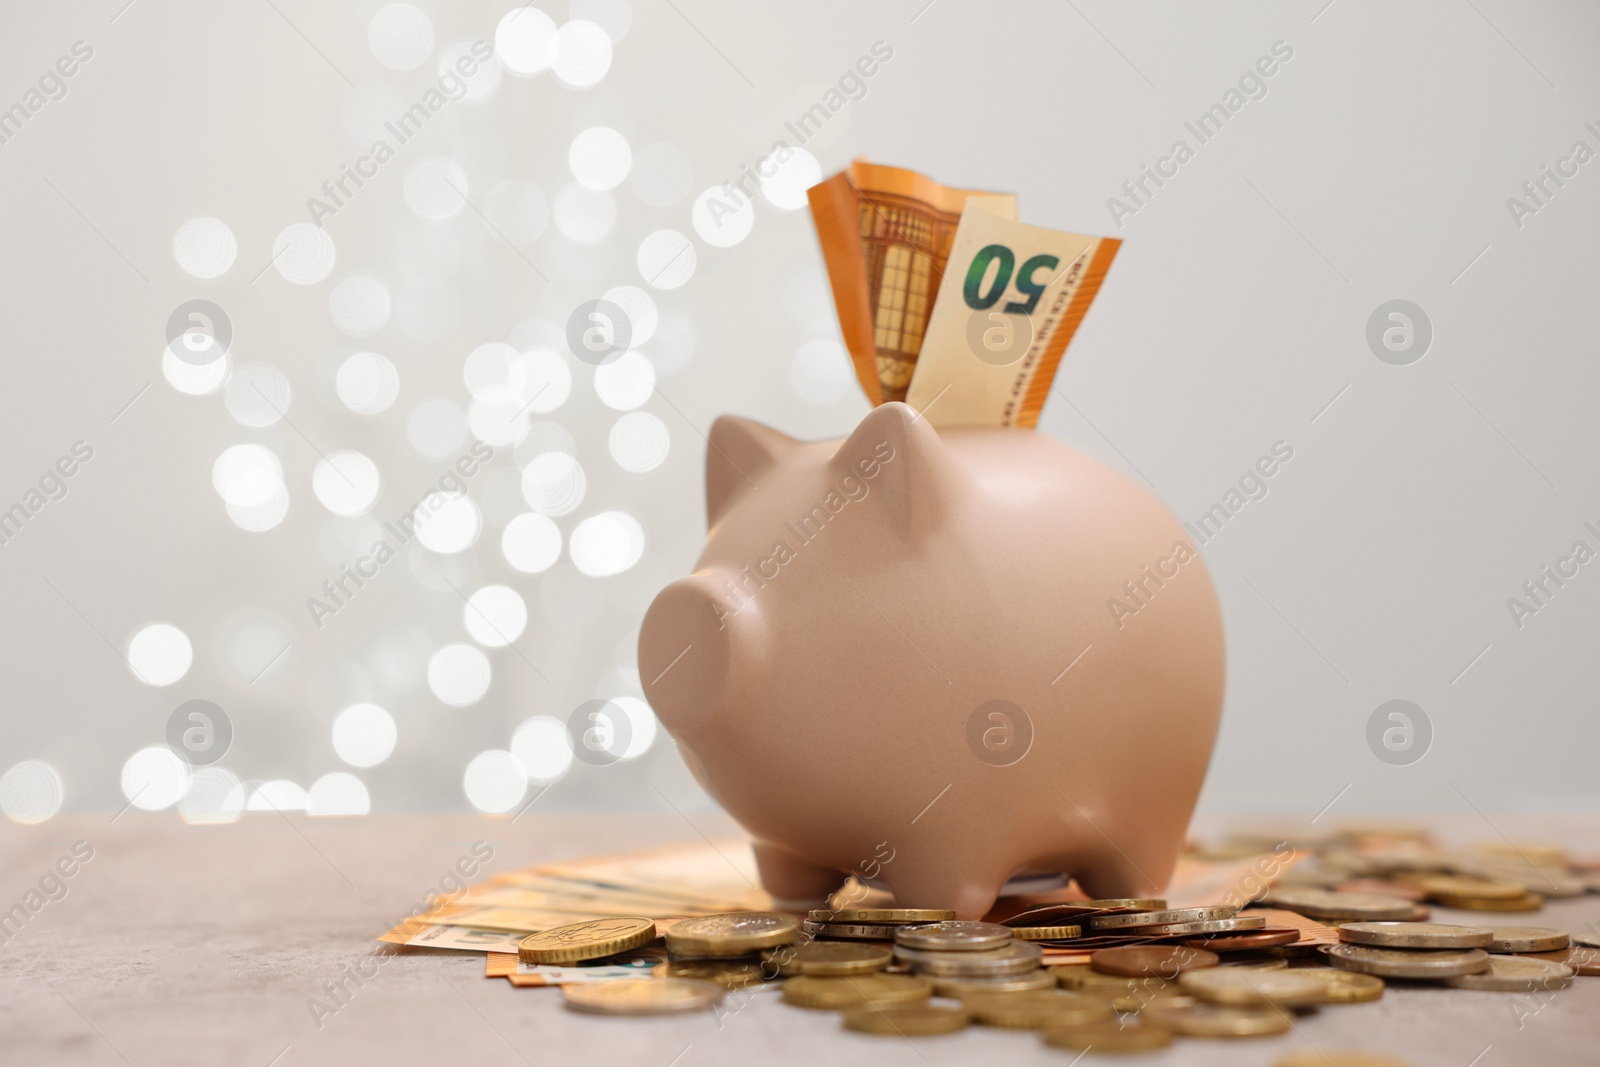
(1406,866)
(1512,959)
(1140,974)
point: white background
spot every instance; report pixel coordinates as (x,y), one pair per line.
(1377,167)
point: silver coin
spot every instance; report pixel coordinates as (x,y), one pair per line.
(1015,957)
(1528,939)
(854,931)
(1125,919)
(953,936)
(1330,904)
(1214,926)
(1407,962)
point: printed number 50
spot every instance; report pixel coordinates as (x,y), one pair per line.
(1006,260)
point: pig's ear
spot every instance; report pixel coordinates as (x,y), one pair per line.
(698,646)
(901,459)
(741,451)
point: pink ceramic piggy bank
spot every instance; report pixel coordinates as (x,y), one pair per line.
(941,659)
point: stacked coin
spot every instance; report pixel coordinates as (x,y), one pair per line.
(1463,956)
(869,924)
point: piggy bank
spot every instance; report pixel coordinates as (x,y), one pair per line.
(939,660)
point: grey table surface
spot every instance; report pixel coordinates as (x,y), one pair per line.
(205,945)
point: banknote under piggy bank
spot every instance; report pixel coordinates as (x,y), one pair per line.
(940,659)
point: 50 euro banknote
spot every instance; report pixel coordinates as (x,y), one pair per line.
(1011,299)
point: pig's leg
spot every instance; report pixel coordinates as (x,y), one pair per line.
(795,883)
(947,881)
(1116,875)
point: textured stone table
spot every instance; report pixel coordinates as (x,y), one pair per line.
(185,945)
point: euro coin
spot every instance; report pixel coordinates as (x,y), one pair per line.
(1151,961)
(1347,987)
(1038,1009)
(906,1020)
(1329,904)
(1516,974)
(1407,962)
(1416,935)
(953,936)
(1140,1000)
(1227,985)
(1581,958)
(1129,903)
(1025,982)
(1528,939)
(729,974)
(880,915)
(1216,1020)
(1330,1057)
(642,996)
(1013,957)
(1078,976)
(1108,1037)
(731,934)
(855,991)
(1266,937)
(1045,933)
(852,931)
(1383,888)
(1129,919)
(1436,885)
(828,958)
(588,940)
(1211,926)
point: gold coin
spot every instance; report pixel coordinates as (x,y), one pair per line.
(1348,987)
(1077,976)
(828,958)
(588,940)
(1009,983)
(1134,998)
(1526,902)
(1476,888)
(1151,961)
(906,1020)
(731,934)
(880,915)
(854,991)
(1214,1020)
(1126,919)
(1288,989)
(1526,852)
(1331,1057)
(1038,1009)
(1416,935)
(1109,1037)
(642,996)
(1528,939)
(1331,904)
(1516,974)
(1045,933)
(1269,964)
(1407,962)
(729,974)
